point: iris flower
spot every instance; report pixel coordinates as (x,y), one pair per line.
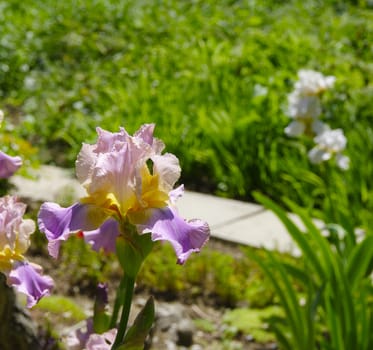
(129,183)
(313,83)
(328,144)
(14,241)
(8,164)
(304,105)
(88,340)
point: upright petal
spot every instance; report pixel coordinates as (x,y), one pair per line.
(168,169)
(14,230)
(8,165)
(26,278)
(176,193)
(84,164)
(185,237)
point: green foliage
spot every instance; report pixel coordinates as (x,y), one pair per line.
(212,75)
(83,268)
(60,305)
(217,276)
(253,321)
(334,277)
(136,335)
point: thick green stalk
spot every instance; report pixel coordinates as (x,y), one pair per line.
(129,285)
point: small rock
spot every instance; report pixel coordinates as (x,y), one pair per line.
(196,347)
(185,330)
(249,338)
(168,315)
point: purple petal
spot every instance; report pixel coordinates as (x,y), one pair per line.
(145,133)
(8,165)
(176,193)
(77,338)
(102,341)
(102,297)
(104,237)
(28,280)
(58,223)
(185,237)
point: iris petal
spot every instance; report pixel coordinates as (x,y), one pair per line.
(186,237)
(8,165)
(27,279)
(104,237)
(58,223)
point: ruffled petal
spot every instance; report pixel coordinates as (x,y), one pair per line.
(176,193)
(318,155)
(104,237)
(8,165)
(102,341)
(185,237)
(58,223)
(168,169)
(26,278)
(84,164)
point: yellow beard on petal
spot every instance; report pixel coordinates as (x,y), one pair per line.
(152,196)
(7,257)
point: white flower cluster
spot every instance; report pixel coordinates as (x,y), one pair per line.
(304,107)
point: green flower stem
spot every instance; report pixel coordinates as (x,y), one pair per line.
(129,285)
(117,304)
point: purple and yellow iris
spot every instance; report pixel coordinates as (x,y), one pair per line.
(128,182)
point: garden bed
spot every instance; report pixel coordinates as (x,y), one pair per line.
(179,315)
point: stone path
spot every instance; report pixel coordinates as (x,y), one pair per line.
(229,220)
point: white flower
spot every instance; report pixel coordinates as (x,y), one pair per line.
(313,83)
(302,126)
(329,143)
(303,107)
(295,128)
(333,140)
(343,162)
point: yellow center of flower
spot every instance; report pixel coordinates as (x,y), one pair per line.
(7,257)
(119,205)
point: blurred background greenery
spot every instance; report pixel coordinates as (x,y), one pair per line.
(213,75)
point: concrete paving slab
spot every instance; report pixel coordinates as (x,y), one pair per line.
(215,210)
(48,183)
(263,230)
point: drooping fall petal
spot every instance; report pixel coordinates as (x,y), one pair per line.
(59,223)
(9,165)
(26,278)
(104,237)
(186,237)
